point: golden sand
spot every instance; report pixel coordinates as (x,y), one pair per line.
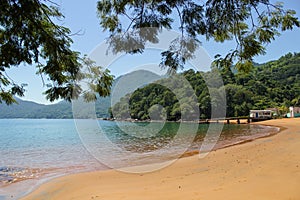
(267,168)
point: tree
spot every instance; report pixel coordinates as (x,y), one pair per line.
(255,90)
(252,24)
(296,101)
(29,36)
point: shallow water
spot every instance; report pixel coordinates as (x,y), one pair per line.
(34,150)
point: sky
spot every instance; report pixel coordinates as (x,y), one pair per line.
(82,16)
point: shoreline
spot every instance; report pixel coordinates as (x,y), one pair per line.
(113,184)
(195,152)
(188,153)
(36,182)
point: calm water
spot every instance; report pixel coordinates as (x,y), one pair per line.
(34,150)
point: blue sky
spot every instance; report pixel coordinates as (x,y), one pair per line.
(81,16)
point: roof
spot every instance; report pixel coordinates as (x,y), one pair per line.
(260,110)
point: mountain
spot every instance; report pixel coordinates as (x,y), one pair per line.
(63,110)
(23,109)
(274,84)
(269,85)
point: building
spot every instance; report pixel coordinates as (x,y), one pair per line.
(260,114)
(294,112)
(275,111)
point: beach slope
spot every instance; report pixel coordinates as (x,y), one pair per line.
(267,168)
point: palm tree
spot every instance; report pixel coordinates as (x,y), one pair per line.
(296,101)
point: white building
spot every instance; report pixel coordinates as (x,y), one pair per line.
(294,112)
(261,114)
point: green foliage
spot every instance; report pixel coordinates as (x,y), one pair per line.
(269,85)
(273,84)
(102,104)
(252,24)
(28,36)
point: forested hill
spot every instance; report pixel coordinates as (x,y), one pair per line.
(275,84)
(28,109)
(63,109)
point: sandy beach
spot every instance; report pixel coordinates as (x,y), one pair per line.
(267,168)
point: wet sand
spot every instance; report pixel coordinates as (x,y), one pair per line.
(267,168)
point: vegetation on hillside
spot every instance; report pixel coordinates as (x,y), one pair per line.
(275,84)
(63,109)
(269,85)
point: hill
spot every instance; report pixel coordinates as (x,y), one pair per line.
(274,84)
(268,85)
(63,109)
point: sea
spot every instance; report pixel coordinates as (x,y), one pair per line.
(33,151)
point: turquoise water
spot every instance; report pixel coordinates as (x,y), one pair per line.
(34,150)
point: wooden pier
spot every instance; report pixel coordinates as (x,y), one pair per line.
(226,120)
